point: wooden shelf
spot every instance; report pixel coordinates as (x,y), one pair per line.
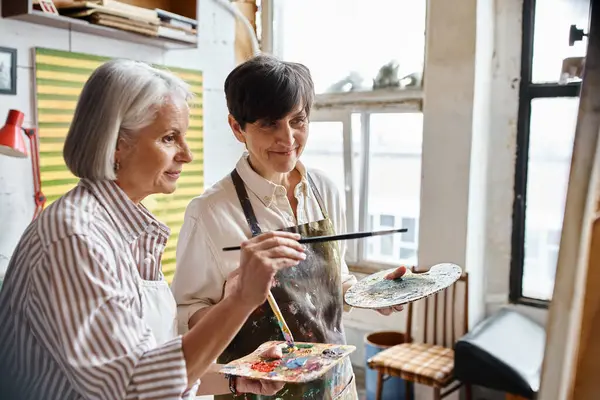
(410,99)
(77,25)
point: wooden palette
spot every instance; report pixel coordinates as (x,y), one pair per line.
(307,362)
(375,291)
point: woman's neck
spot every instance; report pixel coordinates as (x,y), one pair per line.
(136,198)
(286,179)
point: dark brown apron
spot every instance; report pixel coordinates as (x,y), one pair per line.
(310,298)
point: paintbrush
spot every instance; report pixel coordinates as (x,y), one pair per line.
(343,236)
(287,334)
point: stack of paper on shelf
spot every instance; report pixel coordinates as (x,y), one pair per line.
(177,27)
(113,14)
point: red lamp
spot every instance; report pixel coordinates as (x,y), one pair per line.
(13,145)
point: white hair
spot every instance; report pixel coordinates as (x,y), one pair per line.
(119,98)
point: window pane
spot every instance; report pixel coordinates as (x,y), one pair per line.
(325,151)
(532,244)
(551,36)
(411,234)
(551,262)
(552,131)
(387,246)
(408,256)
(395,179)
(553,238)
(386,221)
(363,36)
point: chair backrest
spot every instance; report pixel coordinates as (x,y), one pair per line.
(440,318)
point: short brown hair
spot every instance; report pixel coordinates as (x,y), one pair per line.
(266,88)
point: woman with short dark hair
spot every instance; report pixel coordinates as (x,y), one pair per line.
(269,190)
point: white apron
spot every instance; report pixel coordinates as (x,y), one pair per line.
(159,309)
(159,312)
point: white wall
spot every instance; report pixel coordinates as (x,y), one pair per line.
(214,56)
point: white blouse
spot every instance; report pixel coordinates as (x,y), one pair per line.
(215,220)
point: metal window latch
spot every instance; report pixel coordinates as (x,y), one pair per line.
(575,35)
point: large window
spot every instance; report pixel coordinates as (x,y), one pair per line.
(368,139)
(547,118)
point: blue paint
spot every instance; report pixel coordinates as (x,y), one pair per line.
(294,363)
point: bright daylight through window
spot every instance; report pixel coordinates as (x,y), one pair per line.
(310,31)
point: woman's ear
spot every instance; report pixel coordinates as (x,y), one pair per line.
(121,150)
(236,129)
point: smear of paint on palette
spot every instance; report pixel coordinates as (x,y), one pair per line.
(293,363)
(265,366)
(332,353)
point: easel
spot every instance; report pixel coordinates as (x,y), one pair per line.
(572,356)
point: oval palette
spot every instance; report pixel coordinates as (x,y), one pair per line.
(375,291)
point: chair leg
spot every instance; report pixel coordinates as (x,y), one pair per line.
(514,397)
(468,392)
(437,394)
(407,390)
(379,385)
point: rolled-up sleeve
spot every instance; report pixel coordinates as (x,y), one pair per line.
(199,280)
(84,299)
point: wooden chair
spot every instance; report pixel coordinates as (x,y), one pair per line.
(431,362)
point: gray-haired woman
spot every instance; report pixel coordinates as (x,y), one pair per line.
(84,309)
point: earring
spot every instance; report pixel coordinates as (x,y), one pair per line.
(117,166)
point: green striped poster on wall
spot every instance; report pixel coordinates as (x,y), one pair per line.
(59,79)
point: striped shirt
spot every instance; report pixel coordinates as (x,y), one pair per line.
(71,322)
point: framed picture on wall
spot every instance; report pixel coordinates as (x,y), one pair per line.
(8,70)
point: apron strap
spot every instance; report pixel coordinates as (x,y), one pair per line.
(240,188)
(318,196)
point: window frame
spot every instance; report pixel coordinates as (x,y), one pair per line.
(528,91)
